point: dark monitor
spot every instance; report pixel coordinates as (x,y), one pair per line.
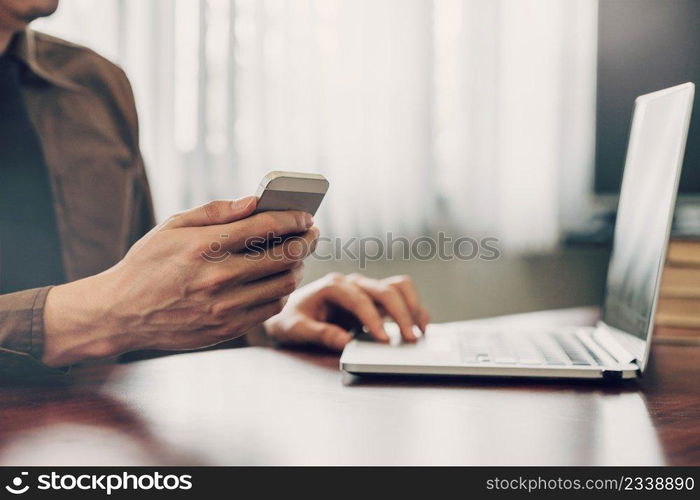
(643,46)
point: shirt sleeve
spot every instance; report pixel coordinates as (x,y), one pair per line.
(142,214)
(22,331)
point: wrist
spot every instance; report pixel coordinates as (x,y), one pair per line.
(77,324)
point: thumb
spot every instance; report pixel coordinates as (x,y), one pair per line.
(214,212)
(318,332)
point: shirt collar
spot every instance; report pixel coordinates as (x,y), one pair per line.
(23,47)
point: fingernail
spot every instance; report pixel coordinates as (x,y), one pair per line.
(418,322)
(308,220)
(295,249)
(242,203)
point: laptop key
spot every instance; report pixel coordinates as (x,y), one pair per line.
(530,361)
(473,348)
(551,352)
(500,350)
(553,358)
(474,357)
(575,353)
(504,360)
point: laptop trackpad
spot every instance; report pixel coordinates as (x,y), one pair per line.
(437,346)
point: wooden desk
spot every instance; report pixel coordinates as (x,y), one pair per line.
(261,406)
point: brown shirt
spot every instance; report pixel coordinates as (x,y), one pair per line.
(83,109)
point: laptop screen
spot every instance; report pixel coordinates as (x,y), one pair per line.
(647,199)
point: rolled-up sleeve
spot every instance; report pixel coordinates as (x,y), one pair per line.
(22,330)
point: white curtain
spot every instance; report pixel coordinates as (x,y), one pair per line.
(474,116)
(514,116)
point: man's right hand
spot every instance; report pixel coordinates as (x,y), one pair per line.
(188,283)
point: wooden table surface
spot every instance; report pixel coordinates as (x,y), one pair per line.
(264,406)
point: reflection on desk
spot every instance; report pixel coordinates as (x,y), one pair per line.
(262,406)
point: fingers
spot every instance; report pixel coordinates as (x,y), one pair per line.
(261,227)
(353,299)
(391,300)
(258,314)
(213,213)
(263,291)
(276,259)
(312,331)
(407,288)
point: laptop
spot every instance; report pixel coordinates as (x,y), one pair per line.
(618,346)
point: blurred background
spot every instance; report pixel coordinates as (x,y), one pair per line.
(502,118)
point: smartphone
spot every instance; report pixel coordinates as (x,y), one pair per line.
(291,191)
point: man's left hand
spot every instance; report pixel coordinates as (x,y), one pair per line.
(324,312)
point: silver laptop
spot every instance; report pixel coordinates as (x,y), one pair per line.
(618,346)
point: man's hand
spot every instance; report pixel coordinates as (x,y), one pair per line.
(170,292)
(322,312)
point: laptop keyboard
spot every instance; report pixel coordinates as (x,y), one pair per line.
(553,349)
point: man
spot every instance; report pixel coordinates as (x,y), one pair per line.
(83,272)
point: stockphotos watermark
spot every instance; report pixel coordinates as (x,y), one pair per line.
(362,250)
(104,483)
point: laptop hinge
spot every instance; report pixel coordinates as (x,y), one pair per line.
(607,341)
